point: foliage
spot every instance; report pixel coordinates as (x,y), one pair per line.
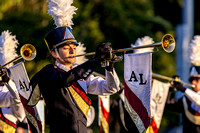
(118,22)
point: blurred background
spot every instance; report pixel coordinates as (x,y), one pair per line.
(120,22)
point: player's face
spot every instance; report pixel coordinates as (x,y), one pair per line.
(67,51)
(196,82)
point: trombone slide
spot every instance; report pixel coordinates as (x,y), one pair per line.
(167,43)
(154,75)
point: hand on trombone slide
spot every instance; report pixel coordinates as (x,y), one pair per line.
(105,55)
(167,43)
(177,84)
(4,77)
(110,61)
(175,81)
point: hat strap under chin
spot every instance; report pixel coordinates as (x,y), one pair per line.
(56,50)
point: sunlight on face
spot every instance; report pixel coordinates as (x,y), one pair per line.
(67,51)
(196,82)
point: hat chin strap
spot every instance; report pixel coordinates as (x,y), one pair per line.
(56,50)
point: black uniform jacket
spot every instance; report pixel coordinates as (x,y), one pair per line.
(177,106)
(63,114)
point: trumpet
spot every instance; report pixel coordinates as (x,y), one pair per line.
(27,52)
(154,75)
(167,43)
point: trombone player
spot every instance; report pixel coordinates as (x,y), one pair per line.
(189,104)
(64,85)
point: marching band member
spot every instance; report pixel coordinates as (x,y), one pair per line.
(121,115)
(64,85)
(12,115)
(189,105)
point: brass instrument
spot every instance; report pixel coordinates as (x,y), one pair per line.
(154,75)
(27,52)
(167,43)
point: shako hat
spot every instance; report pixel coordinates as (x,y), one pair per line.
(194,51)
(62,12)
(59,36)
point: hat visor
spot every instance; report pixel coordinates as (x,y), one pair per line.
(193,77)
(65,42)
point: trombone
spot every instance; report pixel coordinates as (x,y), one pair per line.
(167,43)
(27,52)
(154,75)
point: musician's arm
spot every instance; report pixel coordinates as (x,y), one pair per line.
(173,104)
(9,95)
(193,96)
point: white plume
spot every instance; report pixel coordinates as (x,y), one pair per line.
(194,51)
(62,12)
(143,41)
(80,49)
(8,45)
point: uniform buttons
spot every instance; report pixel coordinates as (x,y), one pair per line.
(85,75)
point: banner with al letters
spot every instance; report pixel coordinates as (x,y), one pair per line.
(20,77)
(137,88)
(159,93)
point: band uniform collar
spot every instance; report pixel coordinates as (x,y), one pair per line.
(63,67)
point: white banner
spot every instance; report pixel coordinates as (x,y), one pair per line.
(137,77)
(159,94)
(20,77)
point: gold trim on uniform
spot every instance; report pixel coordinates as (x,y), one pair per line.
(6,128)
(80,102)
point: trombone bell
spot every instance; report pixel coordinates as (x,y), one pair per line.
(28,52)
(168,43)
